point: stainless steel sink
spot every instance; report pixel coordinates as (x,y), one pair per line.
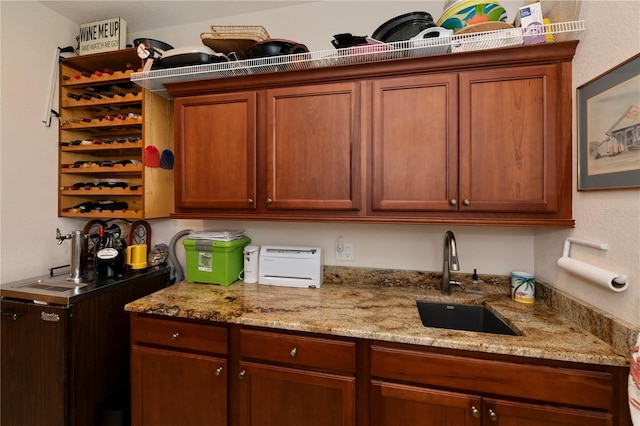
(457,316)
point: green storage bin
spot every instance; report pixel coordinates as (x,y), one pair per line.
(214,262)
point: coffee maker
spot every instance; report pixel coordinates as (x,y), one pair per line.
(110,254)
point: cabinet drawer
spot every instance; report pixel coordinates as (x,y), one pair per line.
(298,350)
(179,334)
(562,385)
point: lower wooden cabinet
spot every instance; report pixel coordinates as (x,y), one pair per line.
(397,404)
(207,373)
(291,380)
(173,388)
(425,387)
(178,373)
(278,396)
(511,413)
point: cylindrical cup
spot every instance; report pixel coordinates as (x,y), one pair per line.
(137,256)
(523,287)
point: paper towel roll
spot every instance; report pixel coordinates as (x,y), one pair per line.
(592,273)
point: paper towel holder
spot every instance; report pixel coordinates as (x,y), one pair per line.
(620,279)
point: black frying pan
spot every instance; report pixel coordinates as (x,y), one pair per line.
(158,45)
(403,27)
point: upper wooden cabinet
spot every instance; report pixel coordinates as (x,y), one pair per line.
(308,156)
(414,152)
(469,138)
(313,147)
(216,156)
(511,153)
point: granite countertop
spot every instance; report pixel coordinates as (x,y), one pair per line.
(384,310)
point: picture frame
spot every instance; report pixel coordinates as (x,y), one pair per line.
(609,129)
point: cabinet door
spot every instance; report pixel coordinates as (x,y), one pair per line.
(313,147)
(173,388)
(216,151)
(278,396)
(34,342)
(394,404)
(414,143)
(507,413)
(510,152)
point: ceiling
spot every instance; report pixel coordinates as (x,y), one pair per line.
(143,15)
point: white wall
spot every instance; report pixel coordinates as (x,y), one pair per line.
(613,216)
(29,36)
(28,172)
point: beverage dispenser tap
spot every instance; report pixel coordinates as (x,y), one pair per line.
(77,245)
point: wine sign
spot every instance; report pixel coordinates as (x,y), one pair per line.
(102,36)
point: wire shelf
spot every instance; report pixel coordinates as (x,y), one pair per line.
(155,80)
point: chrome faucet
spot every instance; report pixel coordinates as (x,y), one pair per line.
(450,263)
(78,267)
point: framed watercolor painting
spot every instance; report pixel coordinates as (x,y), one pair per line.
(609,129)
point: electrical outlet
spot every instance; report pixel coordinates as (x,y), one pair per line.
(346,253)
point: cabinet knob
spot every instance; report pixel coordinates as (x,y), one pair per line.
(492,415)
(466,202)
(175,336)
(269,201)
(293,352)
(242,374)
(249,200)
(218,371)
(453,202)
(475,412)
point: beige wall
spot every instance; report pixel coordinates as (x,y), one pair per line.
(28,159)
(611,217)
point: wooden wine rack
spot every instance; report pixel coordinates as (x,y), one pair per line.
(105,117)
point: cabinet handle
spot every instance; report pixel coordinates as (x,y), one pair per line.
(242,374)
(466,202)
(269,201)
(250,201)
(453,202)
(219,371)
(475,412)
(293,352)
(175,336)
(492,415)
(11,315)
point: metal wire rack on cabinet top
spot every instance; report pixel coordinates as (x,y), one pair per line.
(155,80)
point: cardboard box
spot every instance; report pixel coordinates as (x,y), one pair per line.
(103,36)
(531,21)
(214,262)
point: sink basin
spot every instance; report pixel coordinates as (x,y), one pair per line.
(456,316)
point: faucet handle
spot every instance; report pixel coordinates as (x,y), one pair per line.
(61,237)
(456,283)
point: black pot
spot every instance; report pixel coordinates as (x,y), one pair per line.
(344,40)
(275,47)
(403,27)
